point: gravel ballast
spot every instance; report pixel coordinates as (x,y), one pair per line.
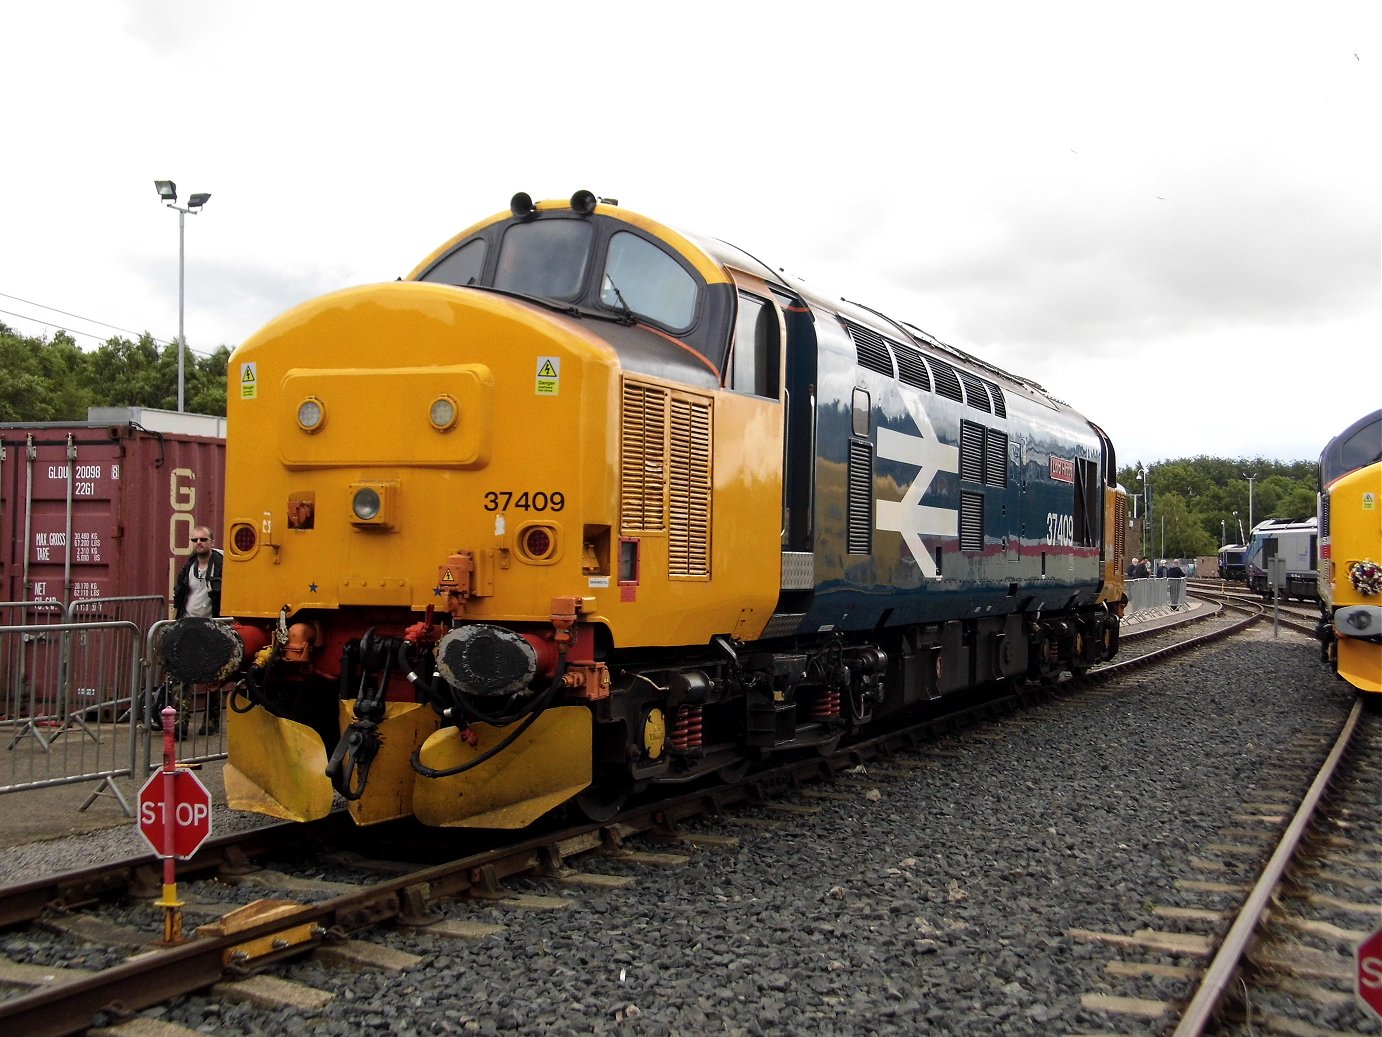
(940,898)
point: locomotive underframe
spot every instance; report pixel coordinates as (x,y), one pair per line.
(675,716)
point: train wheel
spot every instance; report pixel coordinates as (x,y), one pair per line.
(600,804)
(1109,638)
(1045,657)
(732,772)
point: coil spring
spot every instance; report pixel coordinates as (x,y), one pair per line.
(686,732)
(827,707)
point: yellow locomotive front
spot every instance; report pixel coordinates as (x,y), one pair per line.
(1350,524)
(447,500)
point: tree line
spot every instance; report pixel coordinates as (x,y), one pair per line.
(44,379)
(1196,504)
(1193,506)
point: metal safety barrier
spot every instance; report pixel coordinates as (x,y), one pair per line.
(1152,595)
(65,713)
(81,695)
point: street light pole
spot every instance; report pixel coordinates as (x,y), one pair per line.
(1250,479)
(1145,477)
(168,192)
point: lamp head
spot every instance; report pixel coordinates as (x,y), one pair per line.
(198,200)
(167,190)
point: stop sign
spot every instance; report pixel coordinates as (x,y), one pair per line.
(1369,976)
(190,811)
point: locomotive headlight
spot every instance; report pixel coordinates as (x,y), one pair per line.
(442,413)
(1358,620)
(311,415)
(366,504)
(372,504)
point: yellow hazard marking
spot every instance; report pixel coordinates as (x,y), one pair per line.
(548,375)
(249,381)
(446,577)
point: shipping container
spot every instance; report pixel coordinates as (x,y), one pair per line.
(105,508)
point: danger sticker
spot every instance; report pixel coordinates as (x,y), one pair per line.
(249,381)
(548,375)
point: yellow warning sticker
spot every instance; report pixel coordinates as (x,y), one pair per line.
(548,375)
(249,381)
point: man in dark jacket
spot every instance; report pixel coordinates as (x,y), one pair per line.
(197,588)
(197,592)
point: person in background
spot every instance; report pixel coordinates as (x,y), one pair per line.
(197,592)
(1139,571)
(1174,571)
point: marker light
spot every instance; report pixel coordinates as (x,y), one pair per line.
(442,413)
(537,543)
(311,415)
(243,539)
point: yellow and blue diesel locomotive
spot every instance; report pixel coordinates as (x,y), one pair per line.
(1350,529)
(585,504)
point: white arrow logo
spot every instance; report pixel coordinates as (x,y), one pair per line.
(907,516)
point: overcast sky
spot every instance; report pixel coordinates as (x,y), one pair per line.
(1144,207)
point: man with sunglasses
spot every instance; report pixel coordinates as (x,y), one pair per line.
(197,592)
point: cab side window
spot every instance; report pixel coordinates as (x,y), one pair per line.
(755,360)
(464,265)
(640,278)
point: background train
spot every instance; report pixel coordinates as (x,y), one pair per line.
(1294,544)
(1231,565)
(1350,527)
(585,504)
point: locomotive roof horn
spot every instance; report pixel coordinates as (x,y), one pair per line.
(584,201)
(522,204)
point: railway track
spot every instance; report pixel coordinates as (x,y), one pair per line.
(1300,616)
(1272,963)
(393,884)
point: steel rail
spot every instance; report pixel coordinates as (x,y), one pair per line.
(1207,998)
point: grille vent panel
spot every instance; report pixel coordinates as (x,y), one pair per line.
(1120,524)
(643,460)
(995,457)
(971,452)
(971,521)
(860,505)
(947,381)
(688,535)
(871,347)
(911,368)
(976,395)
(666,447)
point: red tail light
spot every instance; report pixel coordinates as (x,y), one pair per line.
(243,538)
